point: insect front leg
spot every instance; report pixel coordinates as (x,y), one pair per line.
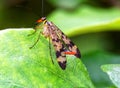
(32,33)
(35,29)
(36,40)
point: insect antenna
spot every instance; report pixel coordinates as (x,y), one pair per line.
(42,8)
(42,11)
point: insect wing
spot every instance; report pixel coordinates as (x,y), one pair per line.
(71,47)
(58,45)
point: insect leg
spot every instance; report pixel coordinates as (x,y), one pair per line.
(36,41)
(50,51)
(32,33)
(35,28)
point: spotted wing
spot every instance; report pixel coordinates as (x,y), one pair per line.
(58,45)
(70,46)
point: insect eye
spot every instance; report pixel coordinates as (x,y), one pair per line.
(43,18)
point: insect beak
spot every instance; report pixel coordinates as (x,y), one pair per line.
(37,23)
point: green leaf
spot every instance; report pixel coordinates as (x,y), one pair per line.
(86,20)
(93,62)
(113,70)
(32,68)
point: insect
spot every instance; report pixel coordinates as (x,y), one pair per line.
(62,44)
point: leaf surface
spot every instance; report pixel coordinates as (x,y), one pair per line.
(22,67)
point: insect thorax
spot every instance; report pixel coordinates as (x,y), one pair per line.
(47,29)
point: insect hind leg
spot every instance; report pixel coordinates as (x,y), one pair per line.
(50,52)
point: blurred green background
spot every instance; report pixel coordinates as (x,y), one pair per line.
(94,26)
